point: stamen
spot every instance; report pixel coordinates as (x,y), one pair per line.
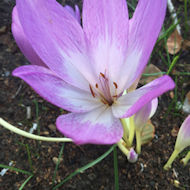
(102,75)
(96,85)
(103,101)
(92,92)
(115,84)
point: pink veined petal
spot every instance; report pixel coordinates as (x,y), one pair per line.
(58,38)
(22,41)
(142,116)
(183,137)
(105,24)
(154,105)
(97,126)
(144,28)
(145,113)
(75,13)
(132,102)
(55,90)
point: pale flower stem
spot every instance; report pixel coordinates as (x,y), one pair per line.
(123,148)
(174,15)
(175,153)
(125,131)
(138,141)
(186,159)
(131,130)
(31,136)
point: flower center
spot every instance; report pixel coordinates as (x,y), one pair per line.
(105,90)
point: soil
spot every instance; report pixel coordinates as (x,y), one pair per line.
(16,97)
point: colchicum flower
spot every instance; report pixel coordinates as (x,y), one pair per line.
(85,69)
(182,141)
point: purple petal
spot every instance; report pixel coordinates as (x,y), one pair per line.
(55,90)
(144,28)
(58,38)
(22,41)
(106,26)
(142,116)
(75,13)
(145,113)
(132,102)
(132,156)
(154,105)
(183,137)
(96,127)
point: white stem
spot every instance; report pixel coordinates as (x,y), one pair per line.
(31,136)
(174,15)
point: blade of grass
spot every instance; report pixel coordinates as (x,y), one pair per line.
(167,32)
(163,58)
(173,64)
(131,6)
(25,182)
(29,157)
(82,169)
(15,169)
(153,74)
(186,18)
(173,102)
(116,176)
(57,164)
(167,53)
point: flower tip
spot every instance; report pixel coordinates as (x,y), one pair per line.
(183,137)
(132,156)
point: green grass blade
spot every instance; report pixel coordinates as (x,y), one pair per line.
(167,32)
(82,169)
(25,182)
(57,164)
(15,169)
(153,74)
(29,157)
(173,64)
(116,176)
(186,18)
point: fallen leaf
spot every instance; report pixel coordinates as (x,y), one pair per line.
(172,95)
(186,45)
(147,133)
(150,69)
(174,42)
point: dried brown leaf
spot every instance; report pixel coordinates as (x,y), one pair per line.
(150,69)
(174,42)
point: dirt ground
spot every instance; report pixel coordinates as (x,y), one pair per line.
(16,96)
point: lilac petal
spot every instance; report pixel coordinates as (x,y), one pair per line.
(144,28)
(96,127)
(55,90)
(132,156)
(75,13)
(106,26)
(142,116)
(183,137)
(22,41)
(145,113)
(154,105)
(58,38)
(132,102)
